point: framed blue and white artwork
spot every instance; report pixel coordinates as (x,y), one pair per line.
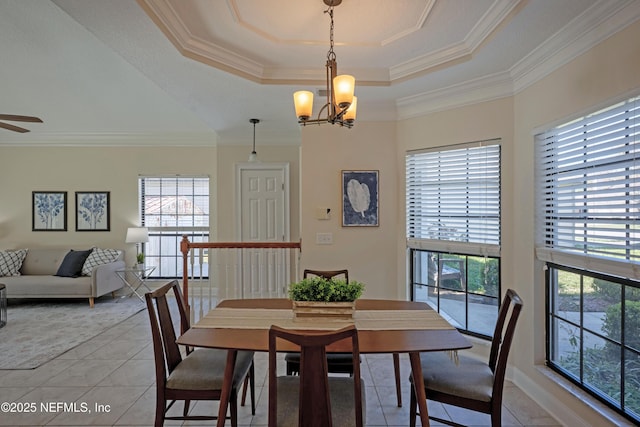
(49,211)
(92,211)
(360,198)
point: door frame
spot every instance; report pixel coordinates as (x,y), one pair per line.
(248,166)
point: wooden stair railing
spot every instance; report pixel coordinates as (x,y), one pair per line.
(186,246)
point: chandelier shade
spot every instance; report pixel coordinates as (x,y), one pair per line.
(350,114)
(340,107)
(303,102)
(344,86)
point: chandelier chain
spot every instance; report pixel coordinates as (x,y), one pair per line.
(331,55)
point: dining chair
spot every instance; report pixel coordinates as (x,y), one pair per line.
(185,324)
(339,362)
(314,399)
(196,376)
(467,382)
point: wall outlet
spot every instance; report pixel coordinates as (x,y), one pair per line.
(324,238)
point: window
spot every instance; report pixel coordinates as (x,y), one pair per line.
(171,207)
(453,232)
(588,237)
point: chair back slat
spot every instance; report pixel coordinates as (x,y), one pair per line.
(160,315)
(316,411)
(327,274)
(502,340)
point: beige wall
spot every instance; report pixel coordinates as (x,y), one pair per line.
(368,252)
(71,169)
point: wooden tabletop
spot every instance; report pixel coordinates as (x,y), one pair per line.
(378,341)
(411,341)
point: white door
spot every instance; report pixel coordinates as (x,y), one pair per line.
(264,217)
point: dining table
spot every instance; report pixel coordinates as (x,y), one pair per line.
(384,326)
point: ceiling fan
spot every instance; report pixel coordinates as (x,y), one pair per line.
(14,118)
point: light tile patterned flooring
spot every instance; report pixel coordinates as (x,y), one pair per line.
(116,370)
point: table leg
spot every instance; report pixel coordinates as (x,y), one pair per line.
(226,387)
(418,383)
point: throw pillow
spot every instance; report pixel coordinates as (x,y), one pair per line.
(11,262)
(72,263)
(98,257)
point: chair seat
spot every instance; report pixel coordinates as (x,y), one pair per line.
(341,393)
(470,378)
(203,369)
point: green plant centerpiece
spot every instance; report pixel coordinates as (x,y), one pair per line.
(329,299)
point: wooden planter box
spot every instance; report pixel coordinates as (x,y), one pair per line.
(309,311)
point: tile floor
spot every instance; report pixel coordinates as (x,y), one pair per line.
(111,381)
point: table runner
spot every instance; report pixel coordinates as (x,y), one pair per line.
(257,318)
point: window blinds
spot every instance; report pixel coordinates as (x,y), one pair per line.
(174,203)
(453,199)
(589,191)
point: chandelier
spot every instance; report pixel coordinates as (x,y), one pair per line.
(340,106)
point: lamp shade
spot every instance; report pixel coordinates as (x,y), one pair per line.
(350,114)
(343,87)
(137,235)
(303,102)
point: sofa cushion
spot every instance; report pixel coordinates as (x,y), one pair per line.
(42,286)
(72,263)
(11,262)
(99,257)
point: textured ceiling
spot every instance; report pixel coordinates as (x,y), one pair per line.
(195,71)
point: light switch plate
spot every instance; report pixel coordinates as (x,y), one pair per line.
(324,238)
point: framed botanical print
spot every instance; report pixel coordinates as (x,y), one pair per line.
(360,198)
(92,211)
(49,211)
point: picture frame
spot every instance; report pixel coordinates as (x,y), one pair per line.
(93,211)
(48,211)
(360,198)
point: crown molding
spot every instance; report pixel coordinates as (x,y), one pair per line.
(114,139)
(471,92)
(593,26)
(166,18)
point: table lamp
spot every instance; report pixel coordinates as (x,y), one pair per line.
(137,235)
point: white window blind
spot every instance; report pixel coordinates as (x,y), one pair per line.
(176,202)
(589,191)
(172,206)
(453,199)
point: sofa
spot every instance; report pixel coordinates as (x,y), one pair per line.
(50,273)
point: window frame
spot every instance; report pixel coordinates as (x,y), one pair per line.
(591,164)
(195,233)
(448,244)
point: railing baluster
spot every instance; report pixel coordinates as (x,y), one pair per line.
(234,269)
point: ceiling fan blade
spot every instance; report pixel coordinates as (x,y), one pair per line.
(14,118)
(13,128)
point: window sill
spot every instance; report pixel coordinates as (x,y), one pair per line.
(599,407)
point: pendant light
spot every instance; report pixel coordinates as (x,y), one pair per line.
(253,157)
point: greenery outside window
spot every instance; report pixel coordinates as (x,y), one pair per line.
(171,207)
(588,238)
(453,232)
(593,339)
